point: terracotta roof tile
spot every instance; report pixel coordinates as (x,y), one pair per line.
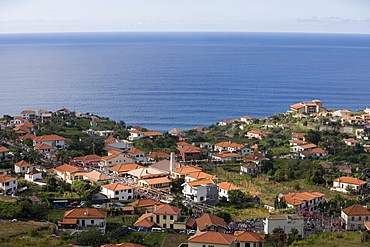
(209,220)
(22,163)
(166,209)
(349,180)
(227,186)
(356,209)
(200,182)
(117,186)
(81,213)
(212,238)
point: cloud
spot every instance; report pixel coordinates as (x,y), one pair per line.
(333,20)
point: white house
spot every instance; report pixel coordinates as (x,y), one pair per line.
(55,141)
(303,147)
(136,135)
(225,188)
(118,191)
(354,217)
(22,167)
(344,184)
(137,154)
(114,158)
(33,175)
(351,142)
(249,168)
(201,190)
(225,156)
(4,153)
(82,219)
(120,144)
(306,200)
(8,184)
(246,119)
(255,134)
(28,114)
(198,175)
(285,221)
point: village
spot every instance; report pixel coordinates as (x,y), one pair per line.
(250,182)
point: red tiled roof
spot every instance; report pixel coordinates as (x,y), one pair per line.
(3,149)
(22,163)
(301,197)
(212,238)
(135,151)
(5,178)
(208,220)
(349,180)
(200,182)
(84,213)
(227,186)
(200,174)
(46,138)
(43,146)
(248,236)
(166,209)
(355,210)
(116,186)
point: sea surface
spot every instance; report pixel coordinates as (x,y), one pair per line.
(165,80)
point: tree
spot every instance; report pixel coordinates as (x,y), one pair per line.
(34,156)
(85,189)
(92,237)
(238,196)
(224,215)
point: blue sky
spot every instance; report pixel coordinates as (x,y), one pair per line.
(323,16)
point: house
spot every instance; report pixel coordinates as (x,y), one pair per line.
(315,153)
(354,217)
(117,143)
(159,183)
(225,188)
(284,221)
(344,169)
(198,175)
(224,122)
(123,245)
(21,130)
(165,216)
(209,239)
(232,148)
(91,160)
(34,176)
(96,177)
(225,156)
(182,144)
(166,165)
(147,204)
(201,190)
(123,168)
(137,154)
(146,172)
(347,184)
(22,167)
(8,184)
(176,131)
(305,200)
(342,113)
(118,191)
(82,219)
(247,120)
(44,148)
(158,156)
(351,142)
(189,153)
(136,135)
(184,171)
(249,168)
(152,134)
(114,158)
(66,172)
(255,134)
(255,157)
(269,125)
(326,166)
(57,142)
(4,153)
(46,117)
(249,239)
(209,222)
(303,147)
(28,114)
(353,120)
(315,106)
(299,136)
(205,145)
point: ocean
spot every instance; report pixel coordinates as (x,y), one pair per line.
(164,80)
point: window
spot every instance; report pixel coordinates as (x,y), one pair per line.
(171,217)
(164,226)
(359,218)
(353,218)
(92,222)
(164,217)
(129,191)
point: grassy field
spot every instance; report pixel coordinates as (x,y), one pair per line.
(336,239)
(145,238)
(173,239)
(10,228)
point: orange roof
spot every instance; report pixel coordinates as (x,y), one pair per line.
(144,221)
(26,124)
(349,180)
(84,213)
(212,238)
(32,137)
(135,151)
(153,133)
(367,225)
(248,236)
(136,131)
(226,154)
(159,180)
(200,182)
(27,112)
(318,151)
(87,158)
(188,149)
(43,146)
(229,144)
(68,168)
(227,186)
(158,155)
(350,140)
(112,140)
(208,220)
(166,209)
(117,186)
(145,203)
(187,170)
(5,178)
(297,106)
(299,135)
(22,163)
(183,144)
(22,128)
(109,156)
(200,174)
(255,156)
(3,149)
(198,128)
(125,167)
(301,197)
(97,176)
(356,209)
(255,132)
(46,138)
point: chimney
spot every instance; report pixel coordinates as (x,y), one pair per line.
(87,211)
(172,161)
